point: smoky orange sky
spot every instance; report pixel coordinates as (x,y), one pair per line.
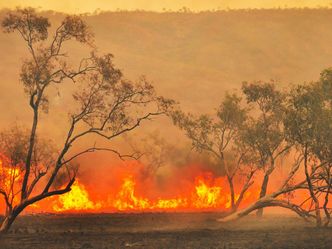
(193,59)
(74,6)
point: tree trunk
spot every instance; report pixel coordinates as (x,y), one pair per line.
(231,188)
(326,201)
(263,193)
(311,190)
(327,213)
(243,191)
(267,201)
(30,151)
(7,222)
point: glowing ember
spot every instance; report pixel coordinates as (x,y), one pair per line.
(76,199)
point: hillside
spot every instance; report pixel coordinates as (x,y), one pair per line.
(194,58)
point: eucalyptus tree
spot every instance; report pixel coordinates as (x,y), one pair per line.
(307,123)
(217,135)
(264,132)
(106,105)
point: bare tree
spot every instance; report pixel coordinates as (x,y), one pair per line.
(107,105)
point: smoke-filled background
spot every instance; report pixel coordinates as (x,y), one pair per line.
(71,6)
(193,58)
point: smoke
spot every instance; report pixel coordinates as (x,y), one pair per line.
(164,169)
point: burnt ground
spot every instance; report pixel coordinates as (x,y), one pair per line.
(163,230)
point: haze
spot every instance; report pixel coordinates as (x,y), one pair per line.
(260,150)
(72,6)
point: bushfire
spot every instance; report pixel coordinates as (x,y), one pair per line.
(205,192)
(77,199)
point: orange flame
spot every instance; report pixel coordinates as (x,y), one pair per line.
(76,200)
(204,196)
(206,192)
(10,175)
(207,197)
(126,198)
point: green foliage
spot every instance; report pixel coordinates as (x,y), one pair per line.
(265,95)
(48,63)
(308,119)
(214,134)
(35,31)
(230,113)
(264,133)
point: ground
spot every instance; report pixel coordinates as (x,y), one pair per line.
(162,230)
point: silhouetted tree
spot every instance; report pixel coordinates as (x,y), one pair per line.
(264,132)
(217,136)
(307,122)
(106,105)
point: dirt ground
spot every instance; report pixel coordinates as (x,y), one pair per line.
(162,230)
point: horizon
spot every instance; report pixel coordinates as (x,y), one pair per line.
(90,7)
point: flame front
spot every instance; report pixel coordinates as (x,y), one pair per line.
(76,200)
(203,196)
(207,196)
(204,193)
(126,198)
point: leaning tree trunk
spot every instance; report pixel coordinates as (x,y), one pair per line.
(246,211)
(311,190)
(326,201)
(265,184)
(231,187)
(7,222)
(267,201)
(327,212)
(263,193)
